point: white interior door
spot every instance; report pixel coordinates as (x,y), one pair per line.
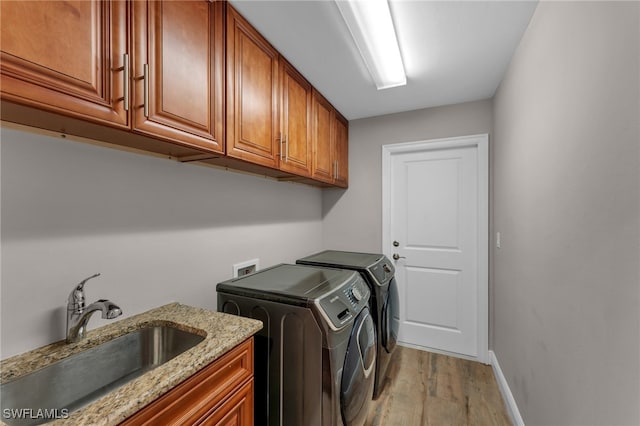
(437,232)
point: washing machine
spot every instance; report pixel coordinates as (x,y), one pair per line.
(378,272)
(315,356)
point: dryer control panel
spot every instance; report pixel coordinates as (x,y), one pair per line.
(342,305)
(382,271)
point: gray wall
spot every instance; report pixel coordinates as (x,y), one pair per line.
(161,231)
(353,217)
(566,200)
(157,230)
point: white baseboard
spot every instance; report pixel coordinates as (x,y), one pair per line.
(516,418)
(480,359)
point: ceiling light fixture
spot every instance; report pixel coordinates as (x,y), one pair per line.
(371,27)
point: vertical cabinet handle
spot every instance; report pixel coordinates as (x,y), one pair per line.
(146,90)
(286,149)
(335,169)
(126,81)
(284,153)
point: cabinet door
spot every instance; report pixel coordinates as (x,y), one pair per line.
(295,145)
(252,94)
(341,135)
(322,139)
(178,71)
(224,386)
(66,57)
(236,411)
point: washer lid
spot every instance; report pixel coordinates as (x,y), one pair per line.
(377,267)
(293,284)
(343,258)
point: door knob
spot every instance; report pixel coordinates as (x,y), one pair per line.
(396,244)
(396,256)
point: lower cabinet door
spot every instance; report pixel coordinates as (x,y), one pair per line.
(216,395)
(236,411)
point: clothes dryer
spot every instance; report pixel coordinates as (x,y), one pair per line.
(378,272)
(315,356)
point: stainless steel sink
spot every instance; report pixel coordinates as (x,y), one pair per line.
(76,381)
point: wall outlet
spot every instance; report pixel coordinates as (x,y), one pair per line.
(245,268)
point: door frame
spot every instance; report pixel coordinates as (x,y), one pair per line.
(481,142)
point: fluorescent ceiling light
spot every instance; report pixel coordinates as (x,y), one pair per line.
(372,29)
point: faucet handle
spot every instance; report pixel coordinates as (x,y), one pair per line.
(76,298)
(82,283)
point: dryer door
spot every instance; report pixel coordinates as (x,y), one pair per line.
(356,390)
(390,317)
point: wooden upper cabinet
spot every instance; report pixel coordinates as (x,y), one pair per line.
(322,139)
(252,94)
(295,143)
(178,71)
(330,141)
(341,151)
(66,57)
(191,79)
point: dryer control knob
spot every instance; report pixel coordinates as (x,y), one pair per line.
(386,268)
(357,293)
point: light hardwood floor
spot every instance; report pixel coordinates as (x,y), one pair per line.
(424,388)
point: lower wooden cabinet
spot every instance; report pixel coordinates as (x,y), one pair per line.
(219,394)
(236,411)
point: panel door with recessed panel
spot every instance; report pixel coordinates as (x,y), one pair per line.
(435,222)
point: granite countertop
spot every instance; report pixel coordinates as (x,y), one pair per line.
(222,332)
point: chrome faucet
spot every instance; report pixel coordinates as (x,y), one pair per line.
(78,315)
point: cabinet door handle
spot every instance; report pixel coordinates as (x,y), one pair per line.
(146,90)
(286,149)
(280,141)
(125,58)
(335,169)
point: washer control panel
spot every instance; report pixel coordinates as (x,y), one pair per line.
(343,304)
(357,292)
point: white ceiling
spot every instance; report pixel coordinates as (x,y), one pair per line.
(453,51)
